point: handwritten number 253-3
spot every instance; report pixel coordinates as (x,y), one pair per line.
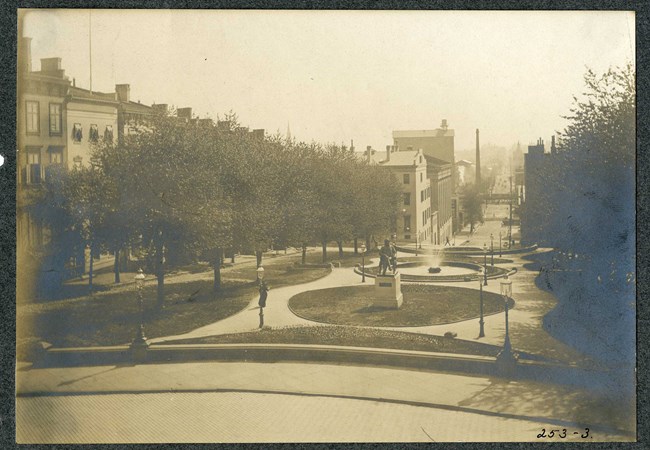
(562,434)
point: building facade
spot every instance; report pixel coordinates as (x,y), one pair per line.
(533,216)
(414,222)
(91,117)
(440,175)
(40,140)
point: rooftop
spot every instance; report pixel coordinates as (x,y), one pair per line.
(78,92)
(438,132)
(408,158)
(436,162)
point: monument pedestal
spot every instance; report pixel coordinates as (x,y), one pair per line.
(388,293)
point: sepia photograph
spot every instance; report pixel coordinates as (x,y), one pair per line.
(332,226)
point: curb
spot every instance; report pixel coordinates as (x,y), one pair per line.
(409,359)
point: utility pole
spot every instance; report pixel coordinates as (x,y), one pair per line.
(510,222)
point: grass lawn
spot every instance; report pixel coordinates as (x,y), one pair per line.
(356,337)
(111,317)
(423,305)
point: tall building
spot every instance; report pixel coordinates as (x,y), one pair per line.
(40,138)
(415,221)
(533,219)
(438,148)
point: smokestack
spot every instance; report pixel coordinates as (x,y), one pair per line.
(478,161)
(389,149)
(368,151)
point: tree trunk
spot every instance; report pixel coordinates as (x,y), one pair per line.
(116,266)
(340,248)
(216,284)
(160,272)
(90,269)
(324,245)
(304,254)
(258,255)
(356,246)
(232,258)
(368,244)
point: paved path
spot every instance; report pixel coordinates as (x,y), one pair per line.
(257,402)
(525,319)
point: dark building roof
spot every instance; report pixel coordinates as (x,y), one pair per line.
(436,162)
(80,93)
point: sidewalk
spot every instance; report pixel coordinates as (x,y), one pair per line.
(526,332)
(496,400)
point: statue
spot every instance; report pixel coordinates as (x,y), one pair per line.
(387,258)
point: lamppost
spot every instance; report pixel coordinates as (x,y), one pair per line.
(491,250)
(500,244)
(485,251)
(263,289)
(363,262)
(481,332)
(139,344)
(505,356)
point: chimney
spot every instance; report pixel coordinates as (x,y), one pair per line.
(160,108)
(389,149)
(123,92)
(369,152)
(478,160)
(25,55)
(184,113)
(443,125)
(553,148)
(52,67)
(50,64)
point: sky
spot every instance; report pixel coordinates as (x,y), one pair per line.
(336,76)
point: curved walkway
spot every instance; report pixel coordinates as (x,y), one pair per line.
(526,332)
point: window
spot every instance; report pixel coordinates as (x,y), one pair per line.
(77,133)
(55,119)
(407,223)
(407,179)
(421,176)
(33,172)
(422,195)
(407,199)
(33,120)
(108,133)
(93,134)
(56,155)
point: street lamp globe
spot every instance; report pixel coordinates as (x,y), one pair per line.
(139,279)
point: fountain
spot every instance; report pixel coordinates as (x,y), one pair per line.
(435,262)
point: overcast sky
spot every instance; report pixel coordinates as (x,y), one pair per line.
(335,76)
